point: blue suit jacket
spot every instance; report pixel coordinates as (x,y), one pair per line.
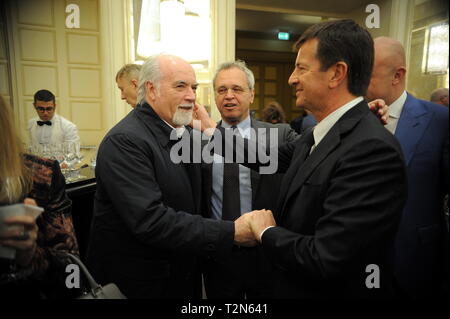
(422,131)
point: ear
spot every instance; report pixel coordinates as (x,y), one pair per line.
(338,74)
(150,90)
(253,95)
(134,82)
(399,75)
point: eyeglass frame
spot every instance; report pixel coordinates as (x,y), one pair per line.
(235,90)
(44,109)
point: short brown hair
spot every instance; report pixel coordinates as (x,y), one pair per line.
(273,112)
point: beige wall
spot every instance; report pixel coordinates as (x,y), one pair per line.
(4,62)
(79,65)
(47,55)
(425,14)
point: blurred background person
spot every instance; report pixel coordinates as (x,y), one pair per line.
(273,113)
(49,127)
(38,270)
(440,96)
(303,121)
(127,79)
(421,128)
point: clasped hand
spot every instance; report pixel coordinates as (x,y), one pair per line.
(248,227)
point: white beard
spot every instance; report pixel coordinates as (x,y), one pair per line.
(182,117)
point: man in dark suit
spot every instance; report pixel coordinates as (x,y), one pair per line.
(147,231)
(345,183)
(422,130)
(240,275)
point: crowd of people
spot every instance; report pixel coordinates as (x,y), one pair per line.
(360,181)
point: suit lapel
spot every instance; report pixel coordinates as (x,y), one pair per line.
(301,169)
(411,126)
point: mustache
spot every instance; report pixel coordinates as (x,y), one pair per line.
(186,106)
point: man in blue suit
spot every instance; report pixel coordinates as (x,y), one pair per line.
(422,130)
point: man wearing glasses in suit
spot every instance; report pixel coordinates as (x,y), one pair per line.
(49,127)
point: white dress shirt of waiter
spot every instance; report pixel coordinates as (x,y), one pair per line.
(49,127)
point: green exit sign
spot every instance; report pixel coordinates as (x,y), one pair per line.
(283,35)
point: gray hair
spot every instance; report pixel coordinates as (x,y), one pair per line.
(131,71)
(150,72)
(239,64)
(438,93)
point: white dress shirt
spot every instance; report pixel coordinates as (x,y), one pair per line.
(245,183)
(322,128)
(179,129)
(395,110)
(60,131)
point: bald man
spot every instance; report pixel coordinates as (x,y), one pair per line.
(422,130)
(440,96)
(147,234)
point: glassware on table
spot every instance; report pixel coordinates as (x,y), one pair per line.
(94,157)
(72,157)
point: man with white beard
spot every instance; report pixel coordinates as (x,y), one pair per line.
(147,233)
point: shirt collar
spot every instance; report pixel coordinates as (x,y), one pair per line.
(243,126)
(327,123)
(162,129)
(395,109)
(180,130)
(54,118)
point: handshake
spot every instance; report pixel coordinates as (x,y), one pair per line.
(248,227)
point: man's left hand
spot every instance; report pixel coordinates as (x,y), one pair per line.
(207,124)
(380,109)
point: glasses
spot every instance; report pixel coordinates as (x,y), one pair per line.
(234,90)
(45,109)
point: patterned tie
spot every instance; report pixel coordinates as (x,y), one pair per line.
(231,203)
(40,123)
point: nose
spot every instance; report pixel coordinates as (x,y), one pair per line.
(229,94)
(190,96)
(293,80)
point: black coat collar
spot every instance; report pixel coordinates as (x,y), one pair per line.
(161,129)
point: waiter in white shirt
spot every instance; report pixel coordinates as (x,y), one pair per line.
(49,127)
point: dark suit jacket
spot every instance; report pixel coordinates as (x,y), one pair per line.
(338,211)
(301,123)
(264,187)
(147,231)
(422,131)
